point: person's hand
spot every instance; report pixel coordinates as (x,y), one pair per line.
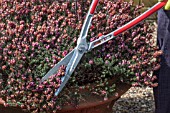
(167,6)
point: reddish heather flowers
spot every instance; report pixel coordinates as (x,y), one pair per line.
(36,34)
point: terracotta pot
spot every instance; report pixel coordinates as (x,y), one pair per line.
(93,103)
(96,104)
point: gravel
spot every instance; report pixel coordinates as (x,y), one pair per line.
(135,100)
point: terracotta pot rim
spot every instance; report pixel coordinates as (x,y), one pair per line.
(121,89)
(92,100)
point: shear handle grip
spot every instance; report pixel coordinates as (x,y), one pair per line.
(93,7)
(132,23)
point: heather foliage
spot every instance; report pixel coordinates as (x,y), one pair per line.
(36,34)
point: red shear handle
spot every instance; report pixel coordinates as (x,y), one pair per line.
(154,9)
(94,5)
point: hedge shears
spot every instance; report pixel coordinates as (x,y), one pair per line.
(72,59)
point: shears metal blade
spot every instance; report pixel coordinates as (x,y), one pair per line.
(72,59)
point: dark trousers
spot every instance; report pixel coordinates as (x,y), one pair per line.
(162,92)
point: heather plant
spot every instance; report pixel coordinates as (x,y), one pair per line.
(36,34)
